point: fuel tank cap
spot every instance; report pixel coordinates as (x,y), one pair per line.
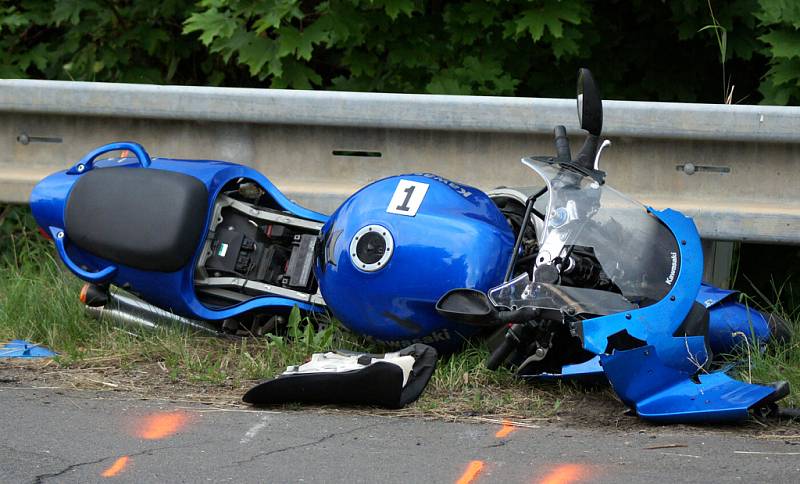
(371,248)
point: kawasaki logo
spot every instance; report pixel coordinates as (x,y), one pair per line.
(674,268)
(458,188)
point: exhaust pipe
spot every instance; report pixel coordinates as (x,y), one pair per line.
(128,311)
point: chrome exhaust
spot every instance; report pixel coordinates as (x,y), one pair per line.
(128,311)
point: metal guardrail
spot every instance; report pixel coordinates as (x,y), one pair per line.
(730,167)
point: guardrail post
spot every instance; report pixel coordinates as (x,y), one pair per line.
(718,261)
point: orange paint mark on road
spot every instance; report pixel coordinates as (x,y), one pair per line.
(117,467)
(565,474)
(506,429)
(473,469)
(161,425)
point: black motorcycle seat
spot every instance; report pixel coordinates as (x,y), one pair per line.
(144,218)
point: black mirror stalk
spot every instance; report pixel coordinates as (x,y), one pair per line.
(586,156)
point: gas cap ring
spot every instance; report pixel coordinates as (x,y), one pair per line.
(371,248)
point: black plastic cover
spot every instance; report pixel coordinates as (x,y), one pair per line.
(144,218)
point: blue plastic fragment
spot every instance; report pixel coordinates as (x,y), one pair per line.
(588,371)
(661,393)
(709,295)
(24,349)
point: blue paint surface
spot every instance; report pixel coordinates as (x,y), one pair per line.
(659,392)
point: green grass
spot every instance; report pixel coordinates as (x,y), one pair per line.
(39,303)
(781,359)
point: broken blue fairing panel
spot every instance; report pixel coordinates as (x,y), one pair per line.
(660,324)
(710,295)
(661,393)
(659,378)
(588,371)
(23,349)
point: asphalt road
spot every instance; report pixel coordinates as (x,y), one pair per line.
(60,436)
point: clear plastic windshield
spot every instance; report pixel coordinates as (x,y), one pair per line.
(585,220)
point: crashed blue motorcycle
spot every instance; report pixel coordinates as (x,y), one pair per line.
(599,285)
(576,279)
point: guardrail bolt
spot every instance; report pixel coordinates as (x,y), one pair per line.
(23,138)
(689,168)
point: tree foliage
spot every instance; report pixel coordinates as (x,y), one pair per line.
(688,50)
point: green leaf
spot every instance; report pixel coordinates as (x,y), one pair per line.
(293,324)
(211,24)
(300,44)
(12,19)
(270,15)
(69,11)
(774,12)
(552,16)
(295,75)
(394,8)
(784,72)
(441,84)
(783,43)
(171,68)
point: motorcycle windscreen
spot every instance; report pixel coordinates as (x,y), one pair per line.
(634,250)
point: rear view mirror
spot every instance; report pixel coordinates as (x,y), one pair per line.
(468,306)
(590,106)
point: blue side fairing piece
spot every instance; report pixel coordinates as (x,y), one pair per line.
(731,323)
(659,392)
(657,324)
(660,379)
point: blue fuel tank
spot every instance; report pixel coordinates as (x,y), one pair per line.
(399,244)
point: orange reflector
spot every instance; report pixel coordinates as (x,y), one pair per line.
(44,234)
(473,469)
(565,474)
(116,467)
(82,295)
(161,425)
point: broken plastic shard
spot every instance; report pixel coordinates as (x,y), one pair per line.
(24,349)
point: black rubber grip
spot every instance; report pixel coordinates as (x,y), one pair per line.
(500,354)
(562,144)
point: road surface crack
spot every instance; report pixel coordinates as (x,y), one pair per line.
(42,477)
(305,444)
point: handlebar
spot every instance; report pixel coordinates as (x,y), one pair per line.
(562,144)
(500,354)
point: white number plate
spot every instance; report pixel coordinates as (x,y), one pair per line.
(407,198)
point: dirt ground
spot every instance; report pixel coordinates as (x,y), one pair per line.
(596,409)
